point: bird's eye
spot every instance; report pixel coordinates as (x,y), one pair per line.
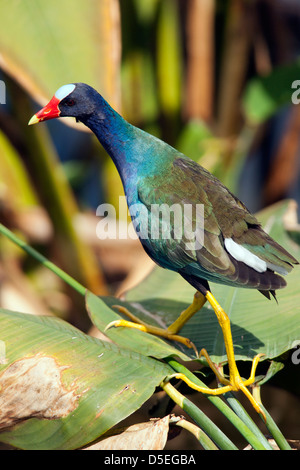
(69,102)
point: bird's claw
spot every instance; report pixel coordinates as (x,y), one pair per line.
(234,384)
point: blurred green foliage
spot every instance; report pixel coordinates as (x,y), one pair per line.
(206,76)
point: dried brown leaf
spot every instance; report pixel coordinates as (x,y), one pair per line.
(151,435)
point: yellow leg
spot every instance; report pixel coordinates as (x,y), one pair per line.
(150,329)
(235,382)
(168,333)
(198,302)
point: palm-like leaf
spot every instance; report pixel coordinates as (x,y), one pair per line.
(63,387)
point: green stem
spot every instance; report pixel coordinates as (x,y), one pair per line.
(272,426)
(247,428)
(44,261)
(244,416)
(275,432)
(193,429)
(208,427)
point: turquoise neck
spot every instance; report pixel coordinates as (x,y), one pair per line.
(135,153)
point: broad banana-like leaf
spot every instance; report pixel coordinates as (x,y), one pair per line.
(60,388)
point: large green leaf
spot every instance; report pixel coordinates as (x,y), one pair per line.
(258,325)
(61,389)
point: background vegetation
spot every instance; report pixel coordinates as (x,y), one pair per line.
(212,78)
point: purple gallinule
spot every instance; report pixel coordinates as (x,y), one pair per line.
(234,251)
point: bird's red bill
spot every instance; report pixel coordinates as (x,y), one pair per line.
(50,111)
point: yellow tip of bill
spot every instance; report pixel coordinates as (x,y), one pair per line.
(33,120)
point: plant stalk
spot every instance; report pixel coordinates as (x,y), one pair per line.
(44,261)
(209,432)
